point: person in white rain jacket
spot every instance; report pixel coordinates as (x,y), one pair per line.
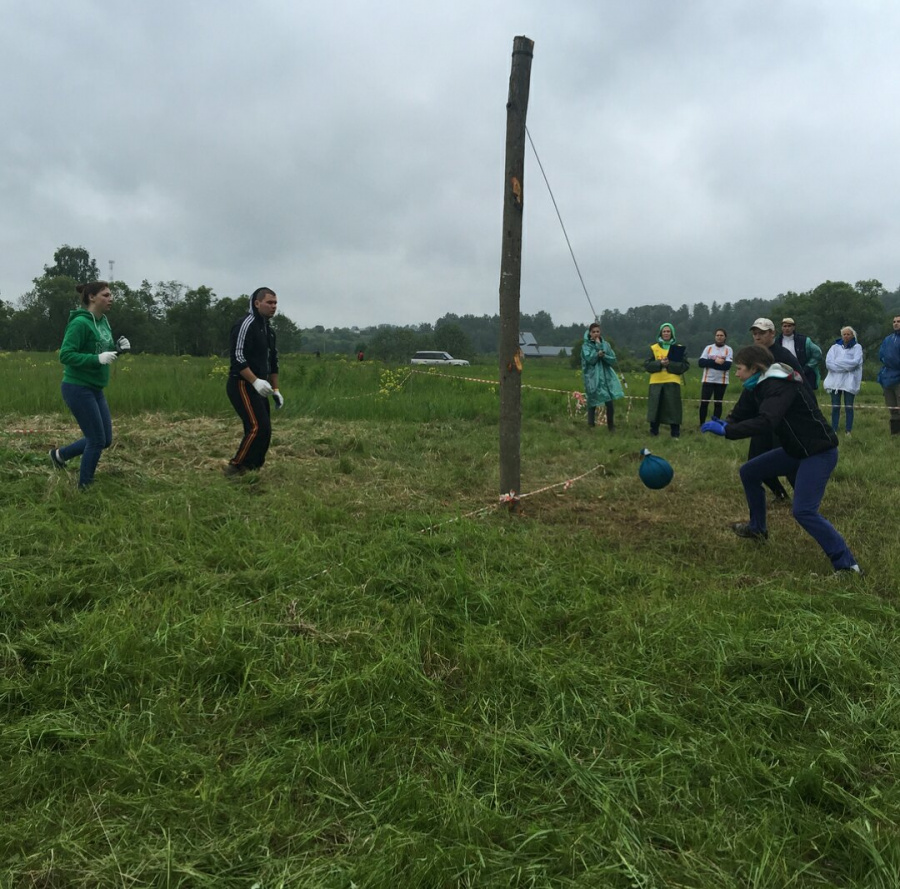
(844,363)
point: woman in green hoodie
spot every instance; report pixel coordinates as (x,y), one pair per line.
(87,351)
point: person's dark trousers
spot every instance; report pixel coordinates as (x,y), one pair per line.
(892,400)
(91,412)
(714,392)
(760,444)
(849,398)
(810,478)
(253,410)
(610,416)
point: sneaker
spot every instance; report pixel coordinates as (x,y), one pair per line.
(56,460)
(232,470)
(743,529)
(847,572)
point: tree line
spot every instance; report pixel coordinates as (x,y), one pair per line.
(170,318)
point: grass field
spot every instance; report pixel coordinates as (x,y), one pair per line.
(356,670)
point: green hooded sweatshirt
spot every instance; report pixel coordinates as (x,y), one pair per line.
(84,340)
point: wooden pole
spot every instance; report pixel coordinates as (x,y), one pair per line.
(511,271)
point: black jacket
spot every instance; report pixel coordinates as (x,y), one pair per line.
(786,407)
(253,345)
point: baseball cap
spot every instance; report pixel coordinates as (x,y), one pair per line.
(787,321)
(762,324)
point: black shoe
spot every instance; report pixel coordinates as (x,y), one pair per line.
(743,529)
(781,500)
(231,470)
(56,460)
(853,571)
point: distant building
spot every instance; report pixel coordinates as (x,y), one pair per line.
(530,348)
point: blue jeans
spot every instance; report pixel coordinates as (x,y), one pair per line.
(91,412)
(809,477)
(849,398)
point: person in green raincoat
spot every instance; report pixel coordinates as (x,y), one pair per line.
(601,382)
(664,404)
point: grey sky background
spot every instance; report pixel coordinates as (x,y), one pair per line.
(350,154)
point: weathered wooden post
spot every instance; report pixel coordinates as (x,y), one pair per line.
(511,271)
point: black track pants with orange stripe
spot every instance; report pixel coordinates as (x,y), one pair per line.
(253,410)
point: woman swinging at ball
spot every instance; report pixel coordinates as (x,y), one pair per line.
(775,399)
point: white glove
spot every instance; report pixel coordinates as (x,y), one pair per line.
(278,398)
(123,344)
(107,357)
(262,387)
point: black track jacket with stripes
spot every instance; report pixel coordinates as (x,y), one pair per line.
(253,345)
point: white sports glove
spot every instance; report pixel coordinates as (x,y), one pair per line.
(106,357)
(123,344)
(278,398)
(263,387)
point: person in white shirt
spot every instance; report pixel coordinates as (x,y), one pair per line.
(715,361)
(844,362)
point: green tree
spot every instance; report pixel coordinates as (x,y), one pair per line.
(289,337)
(45,312)
(823,311)
(73,262)
(190,322)
(452,338)
(539,324)
(395,343)
(7,311)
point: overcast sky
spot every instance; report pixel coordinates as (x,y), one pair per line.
(350,154)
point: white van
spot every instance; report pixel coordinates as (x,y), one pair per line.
(438,358)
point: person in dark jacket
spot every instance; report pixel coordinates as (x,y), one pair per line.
(763,332)
(889,375)
(252,379)
(807,353)
(776,398)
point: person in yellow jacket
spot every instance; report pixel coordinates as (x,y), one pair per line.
(666,365)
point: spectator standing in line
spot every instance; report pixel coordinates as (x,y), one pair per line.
(715,361)
(807,353)
(601,382)
(889,375)
(844,363)
(666,365)
(86,353)
(252,379)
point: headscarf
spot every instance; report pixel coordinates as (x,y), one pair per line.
(671,342)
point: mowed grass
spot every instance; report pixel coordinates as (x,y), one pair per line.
(355,669)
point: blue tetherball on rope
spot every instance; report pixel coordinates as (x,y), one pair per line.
(654,471)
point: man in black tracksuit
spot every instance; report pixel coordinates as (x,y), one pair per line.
(252,379)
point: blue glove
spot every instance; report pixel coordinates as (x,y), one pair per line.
(717,427)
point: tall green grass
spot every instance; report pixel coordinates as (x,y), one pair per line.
(344,672)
